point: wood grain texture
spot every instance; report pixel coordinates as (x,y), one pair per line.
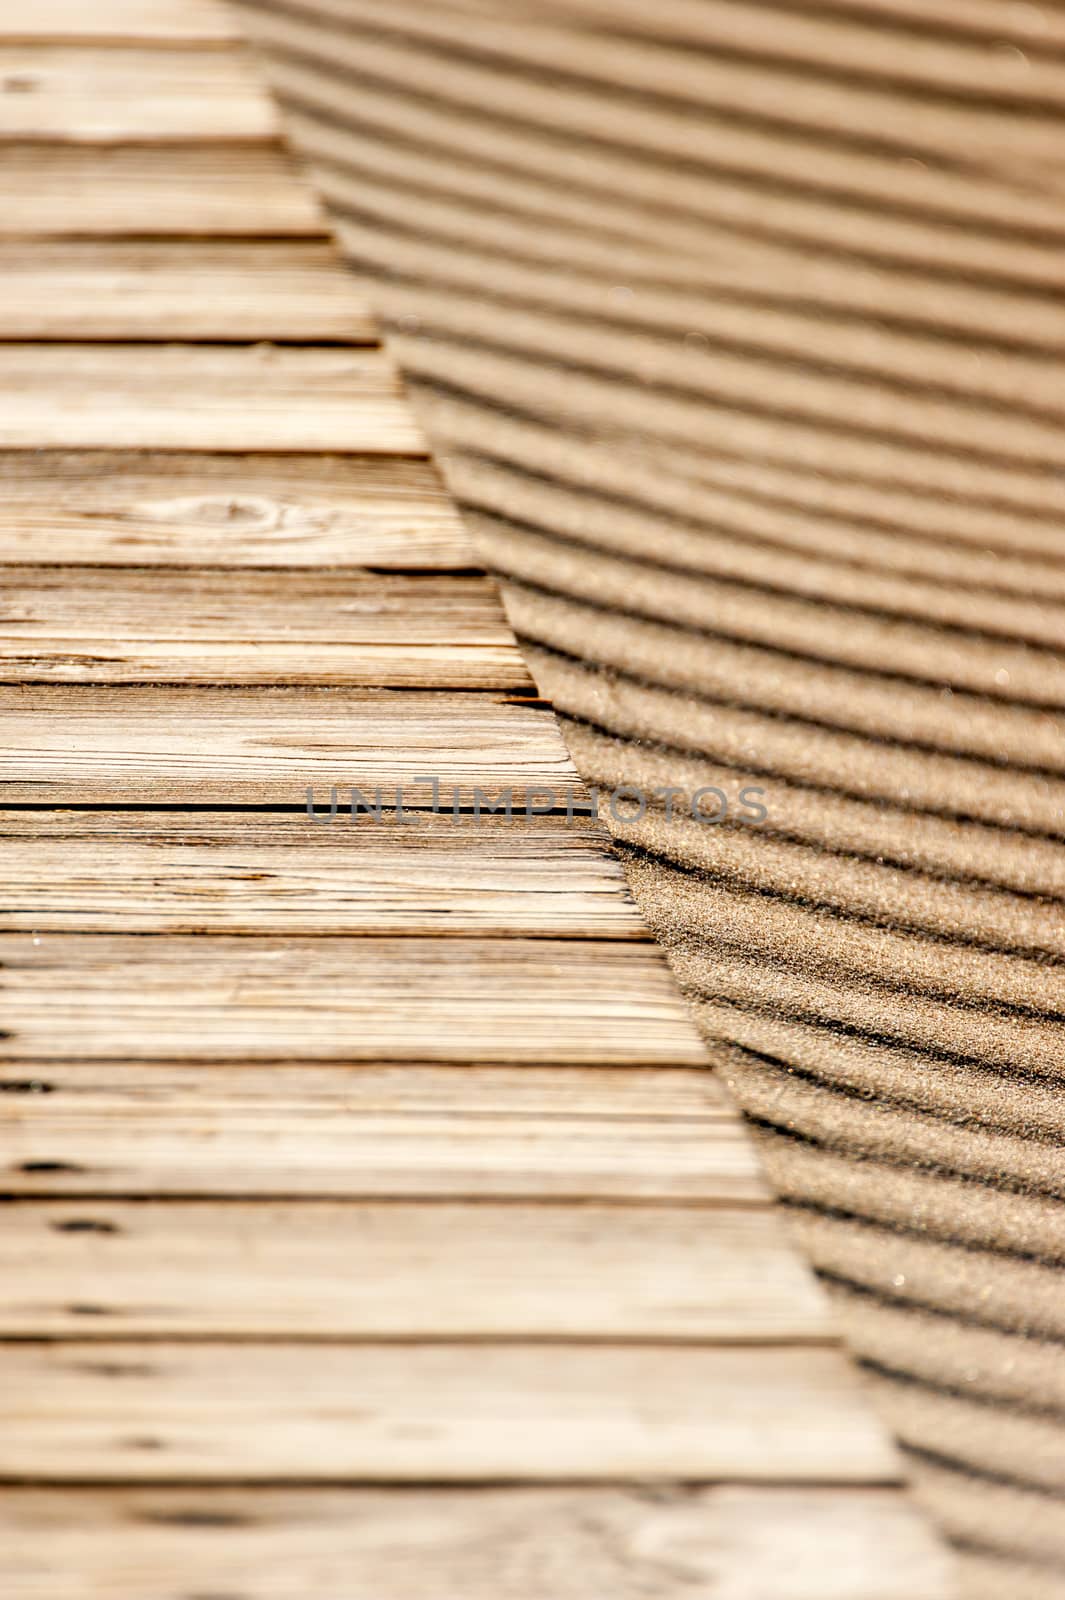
(432,1184)
(228,872)
(168,746)
(237,291)
(59,624)
(112,191)
(121,21)
(202,397)
(400,1271)
(406,1130)
(117,509)
(210,997)
(441,1412)
(672,1543)
(89,94)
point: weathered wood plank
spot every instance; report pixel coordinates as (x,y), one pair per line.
(169,872)
(404,1271)
(127,745)
(408,1130)
(110,508)
(215,190)
(309,1126)
(682,1543)
(64,625)
(91,94)
(202,397)
(208,997)
(445,1412)
(121,21)
(167,290)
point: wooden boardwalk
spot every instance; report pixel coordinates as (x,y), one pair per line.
(373,1230)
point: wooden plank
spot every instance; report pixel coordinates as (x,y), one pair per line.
(121,21)
(202,397)
(127,745)
(110,508)
(214,190)
(404,1271)
(233,872)
(121,1276)
(677,1543)
(408,1130)
(208,997)
(166,290)
(104,95)
(445,1412)
(137,626)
